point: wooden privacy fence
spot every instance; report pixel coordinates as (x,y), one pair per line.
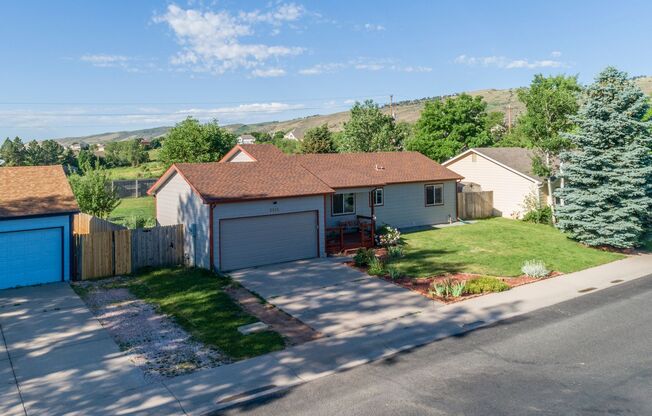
(113,253)
(88,224)
(475,205)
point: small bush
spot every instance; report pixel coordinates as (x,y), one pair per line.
(395,252)
(388,236)
(485,284)
(363,257)
(448,288)
(394,273)
(376,267)
(539,216)
(535,268)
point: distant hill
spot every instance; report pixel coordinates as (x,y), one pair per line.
(408,111)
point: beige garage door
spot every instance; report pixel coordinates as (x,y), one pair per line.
(256,241)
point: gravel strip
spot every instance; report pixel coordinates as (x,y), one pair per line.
(152,340)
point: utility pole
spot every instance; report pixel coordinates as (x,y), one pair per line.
(391,106)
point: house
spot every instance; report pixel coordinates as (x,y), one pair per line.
(260,206)
(246,139)
(507,171)
(36,216)
(296,133)
(78,146)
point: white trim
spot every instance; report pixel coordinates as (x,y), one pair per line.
(464,154)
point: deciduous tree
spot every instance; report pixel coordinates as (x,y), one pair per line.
(93,192)
(451,126)
(192,141)
(369,130)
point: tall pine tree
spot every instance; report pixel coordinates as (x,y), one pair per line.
(607,196)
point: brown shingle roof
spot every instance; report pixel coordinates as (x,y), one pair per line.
(35,190)
(351,170)
(277,175)
(220,182)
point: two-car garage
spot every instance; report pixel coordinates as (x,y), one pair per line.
(265,239)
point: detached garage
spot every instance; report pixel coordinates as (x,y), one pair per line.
(36,211)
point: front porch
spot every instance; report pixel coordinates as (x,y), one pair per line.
(352,234)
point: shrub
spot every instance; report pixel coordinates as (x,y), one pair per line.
(376,267)
(363,257)
(447,288)
(394,273)
(388,236)
(541,215)
(485,284)
(535,268)
(395,252)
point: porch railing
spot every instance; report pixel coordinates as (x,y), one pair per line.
(351,235)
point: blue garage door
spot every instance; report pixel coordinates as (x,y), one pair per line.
(31,257)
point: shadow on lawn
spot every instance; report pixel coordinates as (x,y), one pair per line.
(427,261)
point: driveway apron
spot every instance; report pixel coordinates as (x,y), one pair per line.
(58,360)
(330,296)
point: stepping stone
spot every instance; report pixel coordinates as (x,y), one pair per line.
(252,328)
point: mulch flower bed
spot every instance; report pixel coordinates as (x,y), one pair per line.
(422,285)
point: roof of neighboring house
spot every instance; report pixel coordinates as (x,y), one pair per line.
(352,170)
(275,174)
(246,136)
(257,152)
(516,158)
(35,190)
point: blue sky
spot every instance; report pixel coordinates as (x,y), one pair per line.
(77,68)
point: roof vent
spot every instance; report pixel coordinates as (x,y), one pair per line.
(379,167)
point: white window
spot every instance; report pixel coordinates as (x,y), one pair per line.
(343,204)
(378,197)
(434,194)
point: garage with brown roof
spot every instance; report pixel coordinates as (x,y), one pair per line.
(36,214)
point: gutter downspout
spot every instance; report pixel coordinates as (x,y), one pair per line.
(210,237)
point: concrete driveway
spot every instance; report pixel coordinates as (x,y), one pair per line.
(329,296)
(56,359)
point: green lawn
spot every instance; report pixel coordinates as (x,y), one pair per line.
(195,299)
(146,170)
(496,247)
(129,208)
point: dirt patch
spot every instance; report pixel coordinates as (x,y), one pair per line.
(295,331)
(152,340)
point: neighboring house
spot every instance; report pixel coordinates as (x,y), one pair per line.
(76,147)
(246,139)
(507,171)
(260,206)
(295,134)
(100,147)
(36,216)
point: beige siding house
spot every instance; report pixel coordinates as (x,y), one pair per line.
(507,171)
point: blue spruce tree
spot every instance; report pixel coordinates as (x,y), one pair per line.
(607,198)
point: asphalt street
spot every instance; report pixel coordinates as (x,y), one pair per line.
(588,356)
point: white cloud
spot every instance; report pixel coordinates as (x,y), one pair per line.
(213,41)
(322,68)
(101,60)
(373,27)
(241,111)
(507,63)
(268,73)
(362,64)
(555,54)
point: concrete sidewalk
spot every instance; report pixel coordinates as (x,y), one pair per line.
(56,359)
(210,390)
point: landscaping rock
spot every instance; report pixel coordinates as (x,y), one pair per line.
(252,328)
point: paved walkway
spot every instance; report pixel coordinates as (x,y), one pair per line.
(331,297)
(212,389)
(56,359)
